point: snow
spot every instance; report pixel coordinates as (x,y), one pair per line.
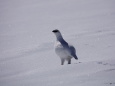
(27,56)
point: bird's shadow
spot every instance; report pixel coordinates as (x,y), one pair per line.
(78,63)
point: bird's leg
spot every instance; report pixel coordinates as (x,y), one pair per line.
(69,61)
(62,61)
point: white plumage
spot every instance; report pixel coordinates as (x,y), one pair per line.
(63,49)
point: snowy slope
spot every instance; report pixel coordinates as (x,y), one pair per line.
(27,57)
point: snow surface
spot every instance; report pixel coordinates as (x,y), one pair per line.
(27,56)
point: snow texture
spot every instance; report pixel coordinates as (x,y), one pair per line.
(27,56)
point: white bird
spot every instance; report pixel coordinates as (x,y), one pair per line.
(63,49)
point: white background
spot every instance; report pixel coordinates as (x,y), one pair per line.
(27,56)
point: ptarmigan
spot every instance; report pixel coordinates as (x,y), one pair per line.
(63,49)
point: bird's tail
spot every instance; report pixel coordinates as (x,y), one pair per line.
(75,56)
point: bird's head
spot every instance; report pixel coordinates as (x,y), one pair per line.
(58,34)
(56,31)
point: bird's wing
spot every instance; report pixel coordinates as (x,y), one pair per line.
(73,51)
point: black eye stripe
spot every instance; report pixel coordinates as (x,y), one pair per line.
(55,31)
